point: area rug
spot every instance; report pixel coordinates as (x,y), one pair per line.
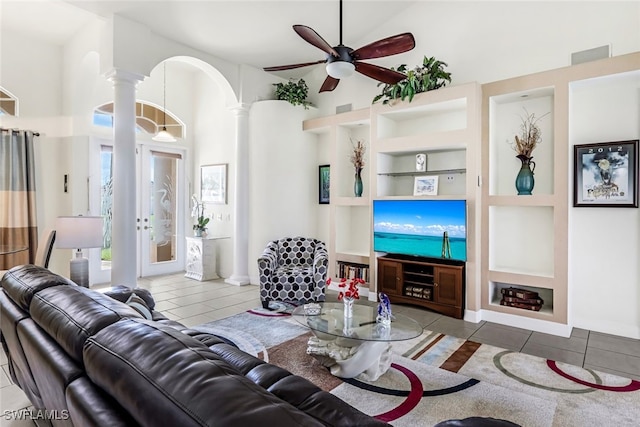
(436,377)
(276,309)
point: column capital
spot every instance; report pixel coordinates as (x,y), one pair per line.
(116,75)
(241,108)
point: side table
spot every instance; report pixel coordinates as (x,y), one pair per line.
(201,258)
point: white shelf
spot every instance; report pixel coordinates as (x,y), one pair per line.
(418,173)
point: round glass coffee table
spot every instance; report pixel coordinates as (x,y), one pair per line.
(356,346)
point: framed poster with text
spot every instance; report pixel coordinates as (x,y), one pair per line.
(606,174)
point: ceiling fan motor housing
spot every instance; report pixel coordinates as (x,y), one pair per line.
(344,52)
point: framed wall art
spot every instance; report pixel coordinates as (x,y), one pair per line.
(606,174)
(323,184)
(425,186)
(213,184)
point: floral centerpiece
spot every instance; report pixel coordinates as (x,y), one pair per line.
(198,213)
(357,160)
(349,294)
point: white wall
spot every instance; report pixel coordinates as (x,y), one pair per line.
(32,71)
(214,143)
(283,175)
(485,41)
(604,287)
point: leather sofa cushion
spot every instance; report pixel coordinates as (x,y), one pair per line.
(52,368)
(10,317)
(22,282)
(91,407)
(176,380)
(71,314)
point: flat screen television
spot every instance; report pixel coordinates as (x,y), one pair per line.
(417,228)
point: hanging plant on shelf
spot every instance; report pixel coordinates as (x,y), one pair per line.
(293,92)
(357,159)
(428,76)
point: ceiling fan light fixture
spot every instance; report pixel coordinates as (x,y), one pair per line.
(340,69)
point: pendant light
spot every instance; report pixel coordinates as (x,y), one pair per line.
(163,135)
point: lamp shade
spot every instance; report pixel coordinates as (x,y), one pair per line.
(340,69)
(78,232)
(164,136)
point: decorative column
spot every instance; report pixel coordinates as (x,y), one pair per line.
(240,275)
(123,227)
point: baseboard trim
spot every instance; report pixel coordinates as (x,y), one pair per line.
(536,325)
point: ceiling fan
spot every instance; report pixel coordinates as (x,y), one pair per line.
(342,60)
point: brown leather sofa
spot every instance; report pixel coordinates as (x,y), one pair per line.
(91,360)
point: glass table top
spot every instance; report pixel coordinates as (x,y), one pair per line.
(361,326)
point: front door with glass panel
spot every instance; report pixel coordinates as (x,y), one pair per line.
(161,204)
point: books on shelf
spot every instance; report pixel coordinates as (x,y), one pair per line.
(521,298)
(350,270)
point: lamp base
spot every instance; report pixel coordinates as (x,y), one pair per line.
(79,270)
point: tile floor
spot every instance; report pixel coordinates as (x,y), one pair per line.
(193,303)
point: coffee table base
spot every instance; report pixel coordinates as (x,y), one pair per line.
(348,358)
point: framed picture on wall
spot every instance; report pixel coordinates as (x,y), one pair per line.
(323,184)
(606,174)
(213,183)
(425,185)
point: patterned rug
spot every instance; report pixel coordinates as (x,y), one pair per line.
(437,377)
(276,309)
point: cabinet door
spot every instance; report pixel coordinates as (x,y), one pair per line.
(448,286)
(390,277)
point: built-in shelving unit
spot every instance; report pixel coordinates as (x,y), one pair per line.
(349,216)
(525,237)
(445,126)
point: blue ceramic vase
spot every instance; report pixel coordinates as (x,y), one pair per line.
(357,185)
(525,180)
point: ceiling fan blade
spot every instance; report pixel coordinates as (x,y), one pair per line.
(311,37)
(386,47)
(382,74)
(292,66)
(329,84)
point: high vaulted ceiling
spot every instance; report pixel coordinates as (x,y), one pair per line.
(257,33)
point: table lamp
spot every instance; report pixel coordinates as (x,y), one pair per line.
(79,232)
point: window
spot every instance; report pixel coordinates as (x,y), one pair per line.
(9,104)
(149,119)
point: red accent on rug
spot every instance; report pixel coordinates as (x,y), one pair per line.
(412,400)
(632,386)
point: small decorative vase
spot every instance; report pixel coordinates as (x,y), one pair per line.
(524,180)
(348,307)
(357,185)
(197,232)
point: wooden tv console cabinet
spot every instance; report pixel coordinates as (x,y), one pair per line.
(434,284)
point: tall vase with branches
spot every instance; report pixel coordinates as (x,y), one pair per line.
(357,160)
(529,138)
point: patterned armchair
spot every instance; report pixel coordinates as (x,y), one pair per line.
(293,269)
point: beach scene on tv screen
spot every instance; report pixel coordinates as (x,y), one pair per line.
(416,227)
